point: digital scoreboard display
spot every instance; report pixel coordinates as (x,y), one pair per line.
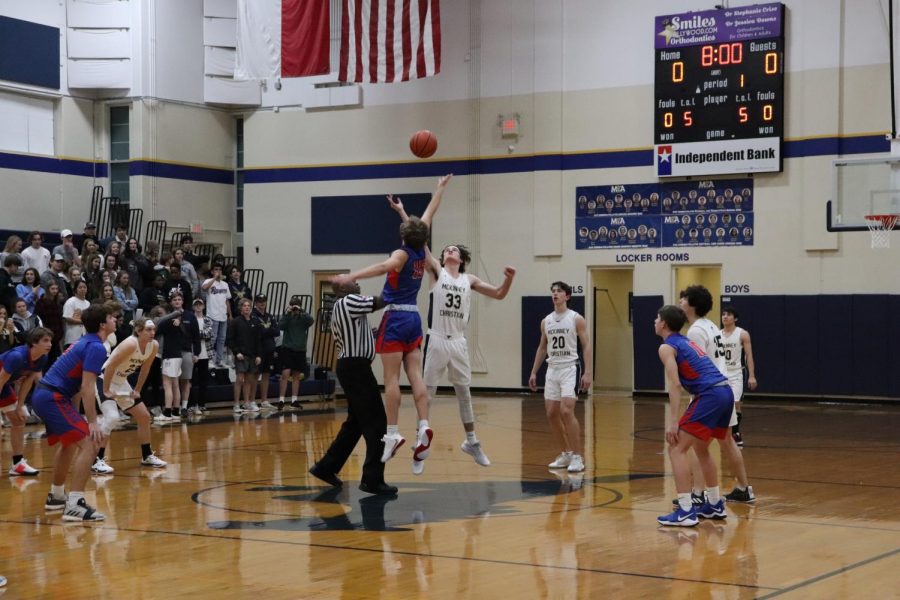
(719,103)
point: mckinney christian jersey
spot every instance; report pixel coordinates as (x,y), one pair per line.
(562,338)
(706,335)
(734,352)
(450,301)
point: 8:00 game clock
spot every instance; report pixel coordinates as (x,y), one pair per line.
(719,105)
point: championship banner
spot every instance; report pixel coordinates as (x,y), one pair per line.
(665,215)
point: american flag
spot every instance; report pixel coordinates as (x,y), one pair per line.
(390,40)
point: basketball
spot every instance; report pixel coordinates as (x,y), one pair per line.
(423,143)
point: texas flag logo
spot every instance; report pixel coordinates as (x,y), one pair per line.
(663,160)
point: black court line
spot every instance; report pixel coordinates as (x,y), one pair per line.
(824,576)
(407,553)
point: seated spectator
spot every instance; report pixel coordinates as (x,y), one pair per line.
(67,248)
(55,275)
(30,289)
(9,270)
(13,246)
(126,296)
(24,321)
(36,256)
(7,331)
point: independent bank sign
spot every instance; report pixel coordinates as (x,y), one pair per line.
(724,156)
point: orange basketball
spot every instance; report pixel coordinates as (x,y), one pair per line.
(423,143)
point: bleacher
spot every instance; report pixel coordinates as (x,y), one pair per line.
(108,211)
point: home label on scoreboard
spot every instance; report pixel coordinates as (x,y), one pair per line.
(719,105)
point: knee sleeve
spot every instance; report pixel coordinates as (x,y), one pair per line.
(110,410)
(464,397)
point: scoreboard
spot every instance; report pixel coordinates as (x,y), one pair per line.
(719,83)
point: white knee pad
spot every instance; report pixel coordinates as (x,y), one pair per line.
(464,397)
(110,410)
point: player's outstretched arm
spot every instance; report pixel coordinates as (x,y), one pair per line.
(492,291)
(396,205)
(435,201)
(396,261)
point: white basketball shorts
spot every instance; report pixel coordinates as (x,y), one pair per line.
(450,354)
(560,382)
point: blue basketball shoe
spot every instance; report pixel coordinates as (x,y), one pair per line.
(679,518)
(712,511)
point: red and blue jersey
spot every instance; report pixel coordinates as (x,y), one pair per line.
(696,371)
(87,354)
(402,287)
(18,361)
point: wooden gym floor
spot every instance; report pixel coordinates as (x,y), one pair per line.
(236,515)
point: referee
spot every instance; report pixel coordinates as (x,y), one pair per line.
(365,411)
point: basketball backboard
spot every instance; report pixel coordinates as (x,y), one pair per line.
(863,186)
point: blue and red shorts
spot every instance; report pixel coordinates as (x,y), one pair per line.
(8,396)
(708,415)
(62,420)
(400,331)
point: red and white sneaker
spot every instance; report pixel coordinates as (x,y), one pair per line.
(423,447)
(392,443)
(23,468)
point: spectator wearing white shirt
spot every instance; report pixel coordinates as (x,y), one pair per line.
(217,296)
(72,310)
(36,256)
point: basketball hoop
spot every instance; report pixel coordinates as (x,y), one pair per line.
(881,227)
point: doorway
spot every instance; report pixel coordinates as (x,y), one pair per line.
(612,333)
(708,276)
(322,294)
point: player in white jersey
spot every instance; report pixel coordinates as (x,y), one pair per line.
(696,302)
(738,349)
(135,352)
(561,330)
(446,348)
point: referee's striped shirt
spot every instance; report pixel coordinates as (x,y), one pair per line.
(350,326)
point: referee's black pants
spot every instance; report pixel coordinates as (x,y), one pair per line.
(365,417)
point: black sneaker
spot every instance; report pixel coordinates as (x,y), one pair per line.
(738,495)
(296,404)
(697,500)
(280,405)
(54,504)
(738,439)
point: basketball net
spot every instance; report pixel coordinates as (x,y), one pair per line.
(881,226)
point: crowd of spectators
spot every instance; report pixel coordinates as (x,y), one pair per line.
(207,315)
